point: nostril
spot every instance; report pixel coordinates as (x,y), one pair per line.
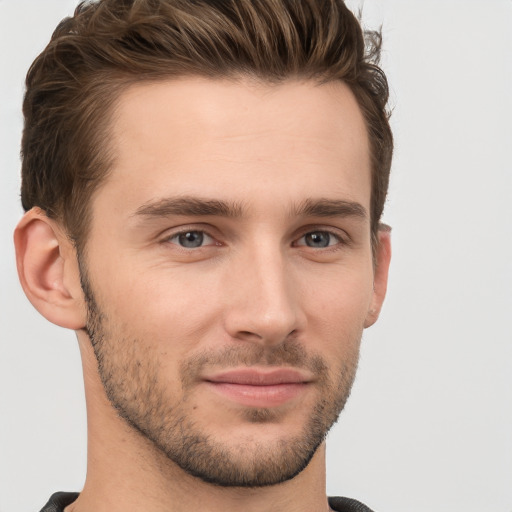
(248,334)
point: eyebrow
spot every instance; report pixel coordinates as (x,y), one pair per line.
(197,207)
(330,208)
(189,206)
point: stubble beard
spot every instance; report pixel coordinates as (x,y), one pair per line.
(130,374)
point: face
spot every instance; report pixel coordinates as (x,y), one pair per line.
(228,271)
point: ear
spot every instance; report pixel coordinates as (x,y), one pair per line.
(48,270)
(380,279)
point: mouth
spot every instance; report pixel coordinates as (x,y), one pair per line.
(261,388)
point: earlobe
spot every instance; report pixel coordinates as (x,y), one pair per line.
(48,270)
(380,281)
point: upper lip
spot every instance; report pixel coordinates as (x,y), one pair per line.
(260,377)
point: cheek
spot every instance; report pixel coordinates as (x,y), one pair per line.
(342,297)
(168,314)
(337,311)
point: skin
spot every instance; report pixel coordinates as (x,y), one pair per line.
(259,284)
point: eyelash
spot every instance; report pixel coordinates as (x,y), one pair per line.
(341,241)
(202,232)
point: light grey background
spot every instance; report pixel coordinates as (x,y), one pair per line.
(429,424)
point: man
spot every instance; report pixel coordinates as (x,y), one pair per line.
(203,184)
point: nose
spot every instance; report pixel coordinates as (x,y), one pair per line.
(264,303)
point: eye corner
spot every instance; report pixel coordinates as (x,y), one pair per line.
(321,239)
(190,239)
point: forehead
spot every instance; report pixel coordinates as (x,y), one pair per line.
(238,140)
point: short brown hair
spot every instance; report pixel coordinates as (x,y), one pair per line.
(72,86)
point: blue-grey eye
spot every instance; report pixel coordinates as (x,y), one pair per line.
(190,239)
(318,239)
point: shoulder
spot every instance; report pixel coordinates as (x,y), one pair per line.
(59,501)
(347,505)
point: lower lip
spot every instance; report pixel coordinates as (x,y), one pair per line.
(259,396)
